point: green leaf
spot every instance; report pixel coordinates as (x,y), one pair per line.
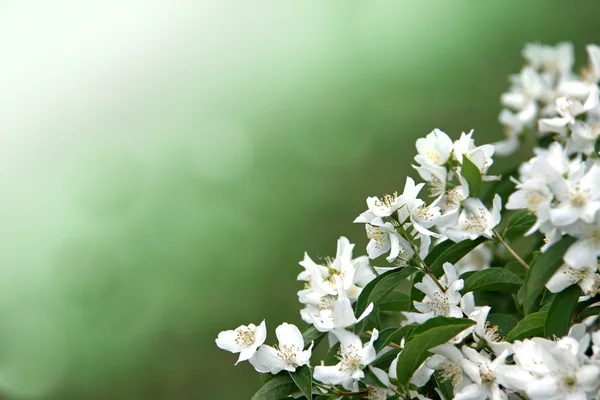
(589,312)
(389,335)
(453,254)
(395,301)
(493,279)
(276,389)
(303,380)
(433,323)
(417,350)
(371,379)
(531,325)
(516,268)
(518,224)
(416,294)
(386,359)
(541,270)
(560,313)
(436,251)
(381,287)
(331,358)
(473,176)
(310,333)
(444,385)
(504,322)
(504,187)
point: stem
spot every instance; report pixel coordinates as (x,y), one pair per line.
(431,274)
(510,250)
(417,256)
(353,393)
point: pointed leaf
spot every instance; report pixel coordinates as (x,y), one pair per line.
(493,279)
(504,322)
(471,173)
(417,350)
(519,223)
(395,301)
(434,323)
(454,253)
(310,333)
(389,335)
(276,389)
(380,287)
(302,377)
(531,325)
(516,268)
(589,312)
(560,313)
(541,270)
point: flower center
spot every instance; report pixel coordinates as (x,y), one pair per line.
(387,201)
(476,222)
(433,156)
(569,381)
(440,304)
(423,213)
(349,360)
(287,353)
(245,336)
(376,234)
(578,197)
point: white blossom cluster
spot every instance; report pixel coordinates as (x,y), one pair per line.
(559,187)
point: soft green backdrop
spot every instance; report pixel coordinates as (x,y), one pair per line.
(165,164)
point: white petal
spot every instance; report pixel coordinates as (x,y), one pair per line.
(289,334)
(330,374)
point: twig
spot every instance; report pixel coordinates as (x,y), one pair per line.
(510,250)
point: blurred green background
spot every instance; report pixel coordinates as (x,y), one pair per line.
(165,164)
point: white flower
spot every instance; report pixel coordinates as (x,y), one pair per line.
(490,334)
(586,249)
(475,220)
(354,357)
(586,277)
(321,278)
(583,137)
(385,206)
(421,215)
(288,356)
(559,58)
(438,302)
(579,197)
(333,313)
(383,238)
(481,156)
(546,370)
(482,372)
(434,149)
(244,340)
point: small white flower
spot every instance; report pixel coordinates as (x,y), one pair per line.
(434,149)
(586,249)
(579,197)
(546,370)
(245,339)
(490,334)
(586,277)
(333,313)
(421,215)
(475,220)
(438,302)
(353,356)
(288,356)
(321,279)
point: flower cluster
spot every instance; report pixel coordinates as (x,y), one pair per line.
(467,301)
